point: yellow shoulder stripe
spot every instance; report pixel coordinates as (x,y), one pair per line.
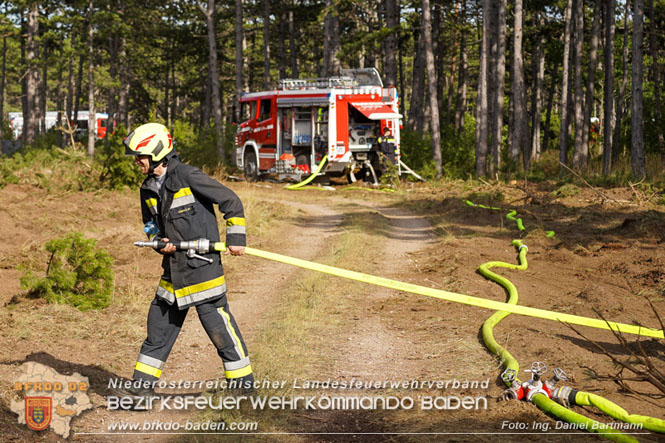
(183,192)
(235,221)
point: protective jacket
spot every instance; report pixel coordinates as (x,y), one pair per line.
(387,146)
(183,210)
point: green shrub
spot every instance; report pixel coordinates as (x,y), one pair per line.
(457,151)
(45,165)
(78,273)
(194,148)
(566,190)
(118,170)
(416,151)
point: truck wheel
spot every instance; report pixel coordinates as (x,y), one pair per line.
(251,167)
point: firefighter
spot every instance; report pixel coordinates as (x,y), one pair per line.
(177,202)
(387,145)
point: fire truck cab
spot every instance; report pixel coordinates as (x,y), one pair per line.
(288,131)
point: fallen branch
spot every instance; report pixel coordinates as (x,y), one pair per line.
(639,364)
(635,192)
(606,197)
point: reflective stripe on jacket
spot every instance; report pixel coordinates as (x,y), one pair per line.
(387,146)
(183,209)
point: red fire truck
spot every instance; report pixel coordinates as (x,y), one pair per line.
(288,131)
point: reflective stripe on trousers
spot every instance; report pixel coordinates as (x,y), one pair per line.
(164,324)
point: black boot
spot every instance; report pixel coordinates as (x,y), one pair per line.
(242,385)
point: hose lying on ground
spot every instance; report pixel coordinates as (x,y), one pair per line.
(423,290)
(541,400)
(310,178)
(574,397)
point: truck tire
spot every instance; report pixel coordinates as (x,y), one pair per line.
(251,166)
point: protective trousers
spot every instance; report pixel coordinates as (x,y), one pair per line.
(164,324)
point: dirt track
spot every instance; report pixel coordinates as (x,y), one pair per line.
(604,257)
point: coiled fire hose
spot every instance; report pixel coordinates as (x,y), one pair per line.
(542,401)
(566,395)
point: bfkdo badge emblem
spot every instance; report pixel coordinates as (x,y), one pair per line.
(38,412)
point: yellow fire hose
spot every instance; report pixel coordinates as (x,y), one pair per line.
(543,401)
(452,296)
(309,179)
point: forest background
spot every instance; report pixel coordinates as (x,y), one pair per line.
(487,88)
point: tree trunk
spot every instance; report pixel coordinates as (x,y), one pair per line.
(590,83)
(239,60)
(391,9)
(449,109)
(60,93)
(616,143)
(482,126)
(550,105)
(24,82)
(167,92)
(175,100)
(579,155)
(280,44)
(30,118)
(79,83)
(563,133)
(41,107)
(656,74)
(460,101)
(205,102)
(499,64)
(292,44)
(331,43)
(436,18)
(538,70)
(416,116)
(637,109)
(112,102)
(400,65)
(520,129)
(92,127)
(266,45)
(608,87)
(431,82)
(123,92)
(372,22)
(69,108)
(491,83)
(213,77)
(2,84)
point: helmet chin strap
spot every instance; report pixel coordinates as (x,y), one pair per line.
(153,164)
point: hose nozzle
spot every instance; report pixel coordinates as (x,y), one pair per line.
(146,244)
